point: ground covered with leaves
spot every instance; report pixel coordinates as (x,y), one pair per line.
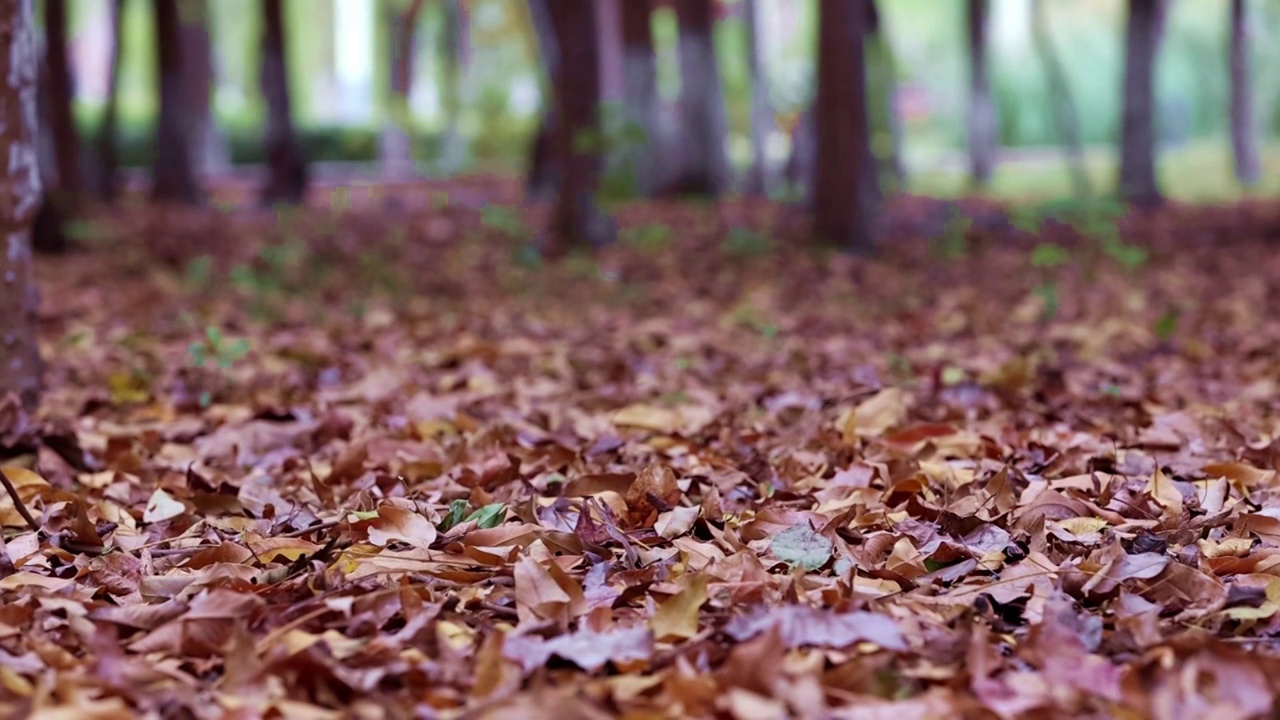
(377,459)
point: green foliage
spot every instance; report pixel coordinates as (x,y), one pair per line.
(742,242)
(1049,255)
(652,237)
(489,516)
(215,348)
(953,243)
(1167,325)
(505,220)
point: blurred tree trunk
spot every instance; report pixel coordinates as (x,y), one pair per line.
(66,141)
(457,56)
(173,175)
(703,168)
(609,30)
(544,176)
(1066,121)
(287,170)
(982,111)
(845,202)
(211,153)
(1138,183)
(883,118)
(19,354)
(105,142)
(397,144)
(758,178)
(640,91)
(577,220)
(1244,141)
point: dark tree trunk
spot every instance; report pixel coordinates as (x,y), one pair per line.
(1244,140)
(1066,121)
(758,178)
(577,220)
(66,141)
(105,142)
(703,168)
(640,90)
(173,173)
(287,170)
(1138,182)
(982,111)
(210,151)
(544,176)
(19,195)
(845,203)
(397,143)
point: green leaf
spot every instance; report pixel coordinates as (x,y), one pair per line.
(457,511)
(800,546)
(1048,255)
(489,516)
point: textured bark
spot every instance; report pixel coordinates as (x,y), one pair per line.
(105,142)
(211,153)
(62,124)
(397,144)
(982,111)
(173,172)
(1244,138)
(286,168)
(1066,120)
(456,58)
(19,196)
(703,168)
(577,220)
(845,202)
(544,176)
(1138,182)
(640,90)
(758,178)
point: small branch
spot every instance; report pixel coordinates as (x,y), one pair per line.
(17,503)
(311,528)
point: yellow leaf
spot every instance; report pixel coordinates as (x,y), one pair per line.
(1227,547)
(1166,495)
(648,417)
(875,415)
(29,486)
(677,618)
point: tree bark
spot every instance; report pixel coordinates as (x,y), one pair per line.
(211,154)
(577,220)
(105,142)
(704,169)
(758,178)
(845,202)
(1244,139)
(544,176)
(19,354)
(640,91)
(1063,114)
(66,141)
(1138,182)
(173,172)
(982,111)
(456,58)
(397,143)
(287,170)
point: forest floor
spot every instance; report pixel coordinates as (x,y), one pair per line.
(374,458)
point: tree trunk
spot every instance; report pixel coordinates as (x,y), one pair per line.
(845,203)
(287,171)
(1063,113)
(609,30)
(456,57)
(211,154)
(397,143)
(1138,182)
(982,111)
(758,178)
(66,141)
(703,170)
(1244,140)
(640,91)
(577,220)
(544,176)
(19,353)
(173,173)
(105,142)
(883,120)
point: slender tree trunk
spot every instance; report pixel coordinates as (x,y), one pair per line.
(1065,119)
(577,221)
(883,119)
(1244,139)
(66,141)
(704,169)
(19,355)
(845,203)
(173,173)
(640,90)
(982,111)
(397,143)
(211,154)
(544,176)
(758,178)
(456,59)
(1138,182)
(609,30)
(287,170)
(105,142)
